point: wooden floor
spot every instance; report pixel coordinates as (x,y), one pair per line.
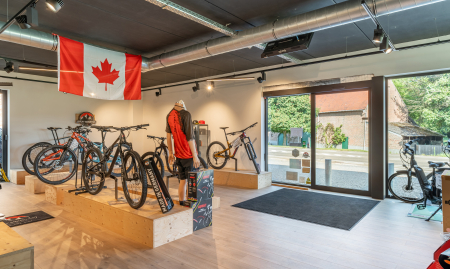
(239,238)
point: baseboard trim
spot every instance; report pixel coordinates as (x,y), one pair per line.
(290,186)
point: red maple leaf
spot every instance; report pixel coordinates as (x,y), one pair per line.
(105,75)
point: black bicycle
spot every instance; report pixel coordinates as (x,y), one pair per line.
(162,149)
(134,181)
(413,186)
(218,155)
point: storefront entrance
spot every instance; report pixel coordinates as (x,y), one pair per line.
(320,138)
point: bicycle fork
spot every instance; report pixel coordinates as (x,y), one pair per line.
(249,148)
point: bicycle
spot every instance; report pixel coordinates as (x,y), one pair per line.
(134,181)
(58,157)
(163,149)
(415,187)
(218,155)
(30,154)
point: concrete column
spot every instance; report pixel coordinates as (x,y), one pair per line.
(328,172)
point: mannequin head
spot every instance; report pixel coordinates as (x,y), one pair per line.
(180,105)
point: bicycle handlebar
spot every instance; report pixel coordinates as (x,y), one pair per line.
(137,127)
(241,131)
(155,137)
(53,128)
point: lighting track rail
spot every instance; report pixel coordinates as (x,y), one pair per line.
(377,23)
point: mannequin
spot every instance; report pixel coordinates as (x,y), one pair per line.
(179,125)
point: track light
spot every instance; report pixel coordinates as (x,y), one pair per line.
(262,78)
(231,78)
(196,87)
(9,66)
(210,85)
(378,35)
(54,5)
(22,21)
(158,93)
(37,69)
(385,46)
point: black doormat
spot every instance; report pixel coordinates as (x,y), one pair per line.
(26,218)
(325,209)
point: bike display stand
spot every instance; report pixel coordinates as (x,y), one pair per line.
(117,201)
(235,164)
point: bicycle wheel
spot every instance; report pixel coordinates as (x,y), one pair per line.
(216,162)
(55,165)
(252,155)
(134,180)
(30,155)
(398,186)
(203,164)
(92,172)
(118,164)
(157,159)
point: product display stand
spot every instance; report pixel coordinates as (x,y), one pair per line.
(235,164)
(117,200)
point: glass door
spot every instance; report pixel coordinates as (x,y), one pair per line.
(289,139)
(341,148)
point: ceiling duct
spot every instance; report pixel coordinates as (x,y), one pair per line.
(316,20)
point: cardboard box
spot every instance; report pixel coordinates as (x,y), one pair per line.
(202,213)
(446,200)
(201,185)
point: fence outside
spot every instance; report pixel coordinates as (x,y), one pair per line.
(428,149)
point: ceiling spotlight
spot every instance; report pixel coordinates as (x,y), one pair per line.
(385,46)
(210,85)
(9,66)
(378,35)
(158,93)
(196,87)
(54,5)
(22,21)
(262,78)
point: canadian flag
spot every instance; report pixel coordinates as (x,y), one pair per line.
(98,73)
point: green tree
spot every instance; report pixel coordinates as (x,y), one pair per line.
(329,135)
(427,99)
(289,112)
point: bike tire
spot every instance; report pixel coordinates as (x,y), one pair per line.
(30,155)
(47,172)
(397,193)
(252,156)
(119,162)
(157,159)
(134,182)
(210,155)
(89,163)
(203,164)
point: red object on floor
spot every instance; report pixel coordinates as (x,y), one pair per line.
(435,265)
(437,253)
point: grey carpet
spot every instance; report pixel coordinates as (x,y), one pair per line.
(325,209)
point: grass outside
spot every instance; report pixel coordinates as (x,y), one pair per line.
(357,150)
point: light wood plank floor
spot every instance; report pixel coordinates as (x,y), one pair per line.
(239,238)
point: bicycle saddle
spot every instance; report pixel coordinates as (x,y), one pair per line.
(224,128)
(436,164)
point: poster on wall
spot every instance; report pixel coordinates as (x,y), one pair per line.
(85,118)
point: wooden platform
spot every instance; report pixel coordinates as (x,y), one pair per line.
(17,176)
(34,185)
(15,251)
(242,179)
(146,225)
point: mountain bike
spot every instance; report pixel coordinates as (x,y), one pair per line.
(103,148)
(30,154)
(415,187)
(218,154)
(52,164)
(95,169)
(162,149)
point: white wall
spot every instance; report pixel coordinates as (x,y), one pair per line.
(34,106)
(232,104)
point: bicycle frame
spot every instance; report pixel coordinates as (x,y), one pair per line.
(219,154)
(75,136)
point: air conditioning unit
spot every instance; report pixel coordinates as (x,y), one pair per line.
(290,44)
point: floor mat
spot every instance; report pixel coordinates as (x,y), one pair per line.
(26,218)
(336,211)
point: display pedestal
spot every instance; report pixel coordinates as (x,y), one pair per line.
(15,251)
(242,179)
(34,185)
(55,193)
(146,225)
(17,176)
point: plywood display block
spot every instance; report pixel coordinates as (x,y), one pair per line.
(215,202)
(15,251)
(242,179)
(146,225)
(34,185)
(446,200)
(55,193)
(17,176)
